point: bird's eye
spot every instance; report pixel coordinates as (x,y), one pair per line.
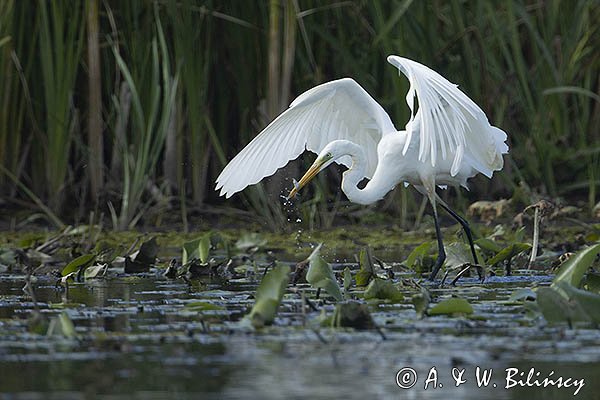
(329,155)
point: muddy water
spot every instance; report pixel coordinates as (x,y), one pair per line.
(141,337)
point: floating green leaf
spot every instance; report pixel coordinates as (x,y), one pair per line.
(457,255)
(556,308)
(417,255)
(564,300)
(591,282)
(83,261)
(95,271)
(383,290)
(367,267)
(421,302)
(586,303)
(509,252)
(196,249)
(320,275)
(203,306)
(453,305)
(268,296)
(347,275)
(488,245)
(576,266)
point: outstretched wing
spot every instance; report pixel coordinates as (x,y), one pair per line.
(339,109)
(448,121)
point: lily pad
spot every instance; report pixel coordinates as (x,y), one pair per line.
(416,258)
(347,276)
(421,302)
(557,308)
(451,306)
(591,282)
(488,244)
(564,300)
(509,252)
(83,261)
(382,289)
(268,296)
(196,249)
(95,271)
(367,267)
(573,270)
(320,275)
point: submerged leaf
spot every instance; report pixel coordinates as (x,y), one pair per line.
(250,241)
(268,296)
(320,275)
(522,294)
(204,306)
(383,290)
(132,266)
(453,305)
(353,315)
(61,326)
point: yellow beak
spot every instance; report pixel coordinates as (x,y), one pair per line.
(308,176)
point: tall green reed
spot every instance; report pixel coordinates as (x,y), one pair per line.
(193,81)
(152,84)
(61,28)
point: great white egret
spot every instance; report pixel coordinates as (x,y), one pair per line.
(447,140)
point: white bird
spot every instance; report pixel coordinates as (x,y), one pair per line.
(447,140)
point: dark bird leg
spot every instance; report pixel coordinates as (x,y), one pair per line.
(465,225)
(466,228)
(441,252)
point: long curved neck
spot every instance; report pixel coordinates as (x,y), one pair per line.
(374,190)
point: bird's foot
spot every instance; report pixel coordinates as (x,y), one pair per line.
(466,268)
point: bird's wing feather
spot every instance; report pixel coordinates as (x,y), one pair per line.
(449,122)
(340,109)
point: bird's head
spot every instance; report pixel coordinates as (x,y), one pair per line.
(328,155)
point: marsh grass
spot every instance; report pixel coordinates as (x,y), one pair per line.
(186,84)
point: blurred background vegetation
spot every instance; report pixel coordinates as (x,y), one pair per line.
(131,108)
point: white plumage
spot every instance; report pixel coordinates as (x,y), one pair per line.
(447,140)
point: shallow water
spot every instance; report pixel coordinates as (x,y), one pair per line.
(137,337)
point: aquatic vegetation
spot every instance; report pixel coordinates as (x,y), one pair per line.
(258,304)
